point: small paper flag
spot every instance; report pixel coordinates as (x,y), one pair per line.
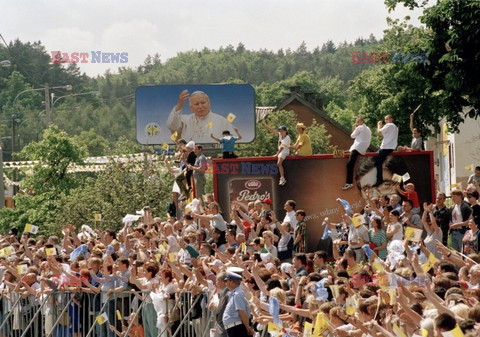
(50,251)
(174,136)
(231,117)
(9,250)
(119,315)
(406,177)
(321,324)
(210,124)
(393,296)
(424,332)
(307,329)
(377,266)
(430,263)
(165,146)
(29,228)
(351,306)
(97,216)
(457,185)
(271,327)
(101,319)
(413,234)
(172,257)
(399,332)
(397,178)
(470,168)
(358,221)
(165,245)
(243,248)
(22,269)
(158,257)
(335,290)
(457,332)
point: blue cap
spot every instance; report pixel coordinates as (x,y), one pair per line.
(282,127)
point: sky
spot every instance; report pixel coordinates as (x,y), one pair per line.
(144,27)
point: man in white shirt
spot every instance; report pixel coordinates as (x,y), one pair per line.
(290,218)
(199,125)
(389,133)
(362,136)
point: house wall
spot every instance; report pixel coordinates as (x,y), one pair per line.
(307,115)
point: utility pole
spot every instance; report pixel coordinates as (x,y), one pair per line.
(47,104)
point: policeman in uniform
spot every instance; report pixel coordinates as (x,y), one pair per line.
(236,317)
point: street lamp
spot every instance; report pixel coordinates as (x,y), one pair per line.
(5,63)
(72,95)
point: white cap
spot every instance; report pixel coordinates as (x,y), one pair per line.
(190,144)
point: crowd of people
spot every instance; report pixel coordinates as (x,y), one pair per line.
(400,267)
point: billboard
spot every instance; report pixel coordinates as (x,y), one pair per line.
(315,183)
(165,113)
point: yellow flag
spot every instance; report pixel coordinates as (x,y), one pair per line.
(119,315)
(231,117)
(50,251)
(210,125)
(413,234)
(307,329)
(430,263)
(351,306)
(358,221)
(424,332)
(335,290)
(393,296)
(457,332)
(174,136)
(377,266)
(399,332)
(158,257)
(101,319)
(29,228)
(271,327)
(97,216)
(22,269)
(321,324)
(243,248)
(457,185)
(172,257)
(165,146)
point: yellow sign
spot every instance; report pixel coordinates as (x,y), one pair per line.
(397,178)
(50,251)
(101,319)
(430,263)
(321,324)
(413,234)
(273,327)
(22,269)
(29,228)
(358,221)
(172,257)
(230,118)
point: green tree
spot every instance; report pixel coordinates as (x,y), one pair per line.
(50,179)
(94,144)
(115,192)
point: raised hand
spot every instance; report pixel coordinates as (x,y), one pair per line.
(182,98)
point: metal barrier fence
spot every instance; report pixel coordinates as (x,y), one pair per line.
(80,314)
